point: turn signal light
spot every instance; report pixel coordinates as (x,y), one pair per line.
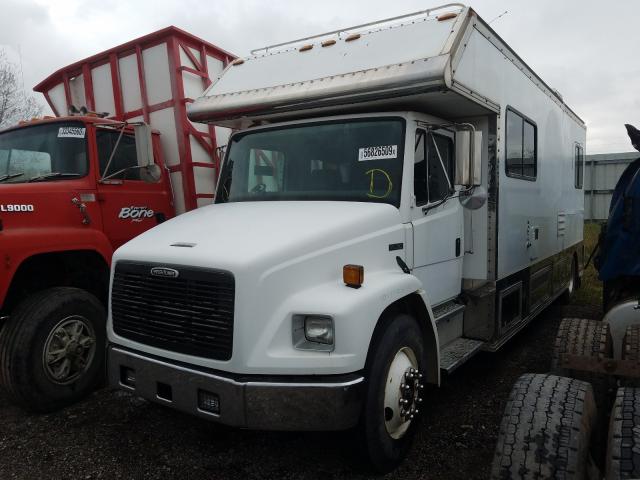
(353,275)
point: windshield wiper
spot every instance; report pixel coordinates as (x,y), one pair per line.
(47,176)
(11,175)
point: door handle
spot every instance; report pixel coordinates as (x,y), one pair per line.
(86,219)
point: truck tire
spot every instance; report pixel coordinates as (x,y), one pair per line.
(394,391)
(545,429)
(587,338)
(631,352)
(52,349)
(623,451)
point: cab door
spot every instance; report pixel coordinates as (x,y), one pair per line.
(437,216)
(130,202)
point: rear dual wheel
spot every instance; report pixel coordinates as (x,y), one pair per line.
(394,393)
(546,430)
(586,338)
(623,452)
(52,349)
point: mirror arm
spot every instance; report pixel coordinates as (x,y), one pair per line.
(109,177)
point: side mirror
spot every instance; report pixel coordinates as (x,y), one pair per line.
(144,145)
(474,199)
(468,158)
(150,173)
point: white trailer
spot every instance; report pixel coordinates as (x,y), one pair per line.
(399,196)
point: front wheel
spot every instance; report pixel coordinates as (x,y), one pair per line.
(52,349)
(394,393)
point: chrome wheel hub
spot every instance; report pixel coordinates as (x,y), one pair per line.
(571,283)
(403,393)
(69,350)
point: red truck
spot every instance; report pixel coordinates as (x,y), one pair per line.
(76,186)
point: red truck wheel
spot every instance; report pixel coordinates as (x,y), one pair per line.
(52,349)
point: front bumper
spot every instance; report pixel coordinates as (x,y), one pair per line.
(256,402)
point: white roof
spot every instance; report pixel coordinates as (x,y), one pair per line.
(395,57)
(402,63)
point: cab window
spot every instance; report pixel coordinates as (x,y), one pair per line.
(522,149)
(431,183)
(124,157)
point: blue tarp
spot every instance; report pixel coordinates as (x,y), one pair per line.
(620,248)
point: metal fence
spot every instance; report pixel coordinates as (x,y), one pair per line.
(600,177)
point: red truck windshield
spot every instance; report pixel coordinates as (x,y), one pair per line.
(43,152)
(349,160)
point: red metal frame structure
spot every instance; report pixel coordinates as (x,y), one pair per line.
(176,41)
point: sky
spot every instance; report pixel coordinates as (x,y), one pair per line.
(586,49)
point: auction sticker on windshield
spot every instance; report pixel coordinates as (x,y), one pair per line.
(382,152)
(71,132)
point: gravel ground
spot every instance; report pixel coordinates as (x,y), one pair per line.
(114,435)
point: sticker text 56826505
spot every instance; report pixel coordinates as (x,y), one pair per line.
(381,152)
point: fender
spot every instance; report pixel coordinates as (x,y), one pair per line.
(356,313)
(21,244)
(619,318)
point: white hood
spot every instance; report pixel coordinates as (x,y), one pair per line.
(286,258)
(242,234)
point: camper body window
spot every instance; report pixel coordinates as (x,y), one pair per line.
(521,147)
(579,163)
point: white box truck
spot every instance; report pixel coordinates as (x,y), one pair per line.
(397,196)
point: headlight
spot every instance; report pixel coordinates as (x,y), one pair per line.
(313,332)
(319,329)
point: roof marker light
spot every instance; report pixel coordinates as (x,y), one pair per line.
(305,48)
(328,43)
(352,37)
(238,61)
(447,16)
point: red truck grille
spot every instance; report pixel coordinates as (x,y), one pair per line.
(182,309)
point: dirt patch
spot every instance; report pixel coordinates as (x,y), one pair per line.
(114,435)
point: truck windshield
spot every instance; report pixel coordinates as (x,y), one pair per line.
(45,152)
(348,160)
